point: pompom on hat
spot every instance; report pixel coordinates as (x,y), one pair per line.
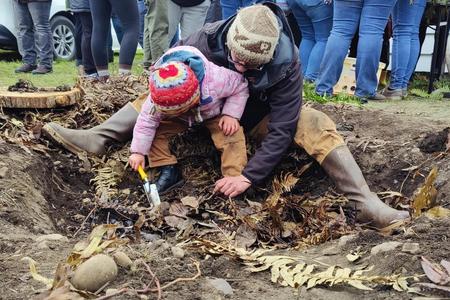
(174,88)
(253,35)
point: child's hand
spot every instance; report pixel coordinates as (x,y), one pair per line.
(136,160)
(228,125)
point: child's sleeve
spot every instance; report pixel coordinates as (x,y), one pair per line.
(235,94)
(145,128)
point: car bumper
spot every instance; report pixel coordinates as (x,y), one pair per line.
(7,39)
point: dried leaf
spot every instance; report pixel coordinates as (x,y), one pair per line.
(437,212)
(435,286)
(434,272)
(48,282)
(178,209)
(446,265)
(425,195)
(173,221)
(190,201)
(245,236)
(359,285)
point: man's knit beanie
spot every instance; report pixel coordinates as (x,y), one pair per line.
(253,35)
(174,88)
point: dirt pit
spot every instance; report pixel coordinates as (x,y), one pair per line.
(47,192)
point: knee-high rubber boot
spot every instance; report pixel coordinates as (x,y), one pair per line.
(343,169)
(118,128)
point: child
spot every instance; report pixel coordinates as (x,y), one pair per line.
(186,88)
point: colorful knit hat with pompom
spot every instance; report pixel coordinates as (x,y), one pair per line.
(174,88)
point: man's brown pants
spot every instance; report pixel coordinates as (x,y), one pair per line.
(316,133)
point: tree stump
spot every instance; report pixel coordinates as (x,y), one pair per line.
(39,99)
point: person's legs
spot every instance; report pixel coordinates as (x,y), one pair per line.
(127,12)
(374,16)
(402,16)
(159,29)
(25,34)
(40,13)
(101,15)
(142,9)
(88,60)
(214,12)
(321,17)
(118,28)
(174,12)
(78,37)
(306,27)
(346,16)
(415,43)
(193,18)
(229,8)
(232,148)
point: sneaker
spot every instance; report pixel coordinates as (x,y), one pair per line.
(376,97)
(25,68)
(404,92)
(393,94)
(169,178)
(41,70)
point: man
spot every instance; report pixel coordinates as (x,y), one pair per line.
(33,28)
(156,31)
(257,42)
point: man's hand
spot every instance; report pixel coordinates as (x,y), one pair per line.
(136,160)
(228,125)
(232,186)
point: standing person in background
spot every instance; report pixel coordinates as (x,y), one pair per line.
(127,12)
(82,13)
(156,31)
(33,28)
(78,36)
(189,14)
(214,12)
(315,20)
(230,7)
(406,18)
(371,16)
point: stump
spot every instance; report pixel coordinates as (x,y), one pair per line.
(39,99)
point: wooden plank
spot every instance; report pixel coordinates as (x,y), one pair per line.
(39,99)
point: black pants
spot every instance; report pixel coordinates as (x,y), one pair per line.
(127,11)
(85,18)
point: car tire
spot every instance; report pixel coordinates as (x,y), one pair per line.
(63,33)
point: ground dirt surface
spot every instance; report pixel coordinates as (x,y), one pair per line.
(395,145)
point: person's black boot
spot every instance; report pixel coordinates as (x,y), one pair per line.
(170,177)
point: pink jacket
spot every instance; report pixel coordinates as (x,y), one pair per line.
(228,90)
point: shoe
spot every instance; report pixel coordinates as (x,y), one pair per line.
(118,128)
(404,93)
(376,97)
(342,168)
(393,94)
(25,68)
(40,70)
(169,178)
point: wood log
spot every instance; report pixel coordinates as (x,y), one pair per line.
(39,99)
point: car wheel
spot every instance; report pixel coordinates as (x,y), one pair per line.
(63,32)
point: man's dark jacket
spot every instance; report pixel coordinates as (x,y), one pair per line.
(274,91)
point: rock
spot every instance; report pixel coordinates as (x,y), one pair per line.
(221,285)
(344,240)
(52,237)
(411,248)
(330,251)
(3,171)
(122,260)
(385,247)
(43,245)
(94,273)
(110,292)
(86,200)
(177,252)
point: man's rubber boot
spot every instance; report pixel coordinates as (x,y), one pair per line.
(170,177)
(118,128)
(345,172)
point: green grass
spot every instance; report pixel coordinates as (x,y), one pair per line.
(309,94)
(64,72)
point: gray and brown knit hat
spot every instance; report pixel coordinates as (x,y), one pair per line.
(253,35)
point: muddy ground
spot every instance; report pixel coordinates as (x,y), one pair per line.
(51,193)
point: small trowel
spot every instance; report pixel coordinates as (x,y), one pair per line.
(151,192)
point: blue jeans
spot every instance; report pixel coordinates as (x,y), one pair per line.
(315,20)
(405,48)
(229,7)
(371,16)
(33,28)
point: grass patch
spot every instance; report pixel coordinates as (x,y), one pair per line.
(64,72)
(309,94)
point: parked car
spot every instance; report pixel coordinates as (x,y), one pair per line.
(62,26)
